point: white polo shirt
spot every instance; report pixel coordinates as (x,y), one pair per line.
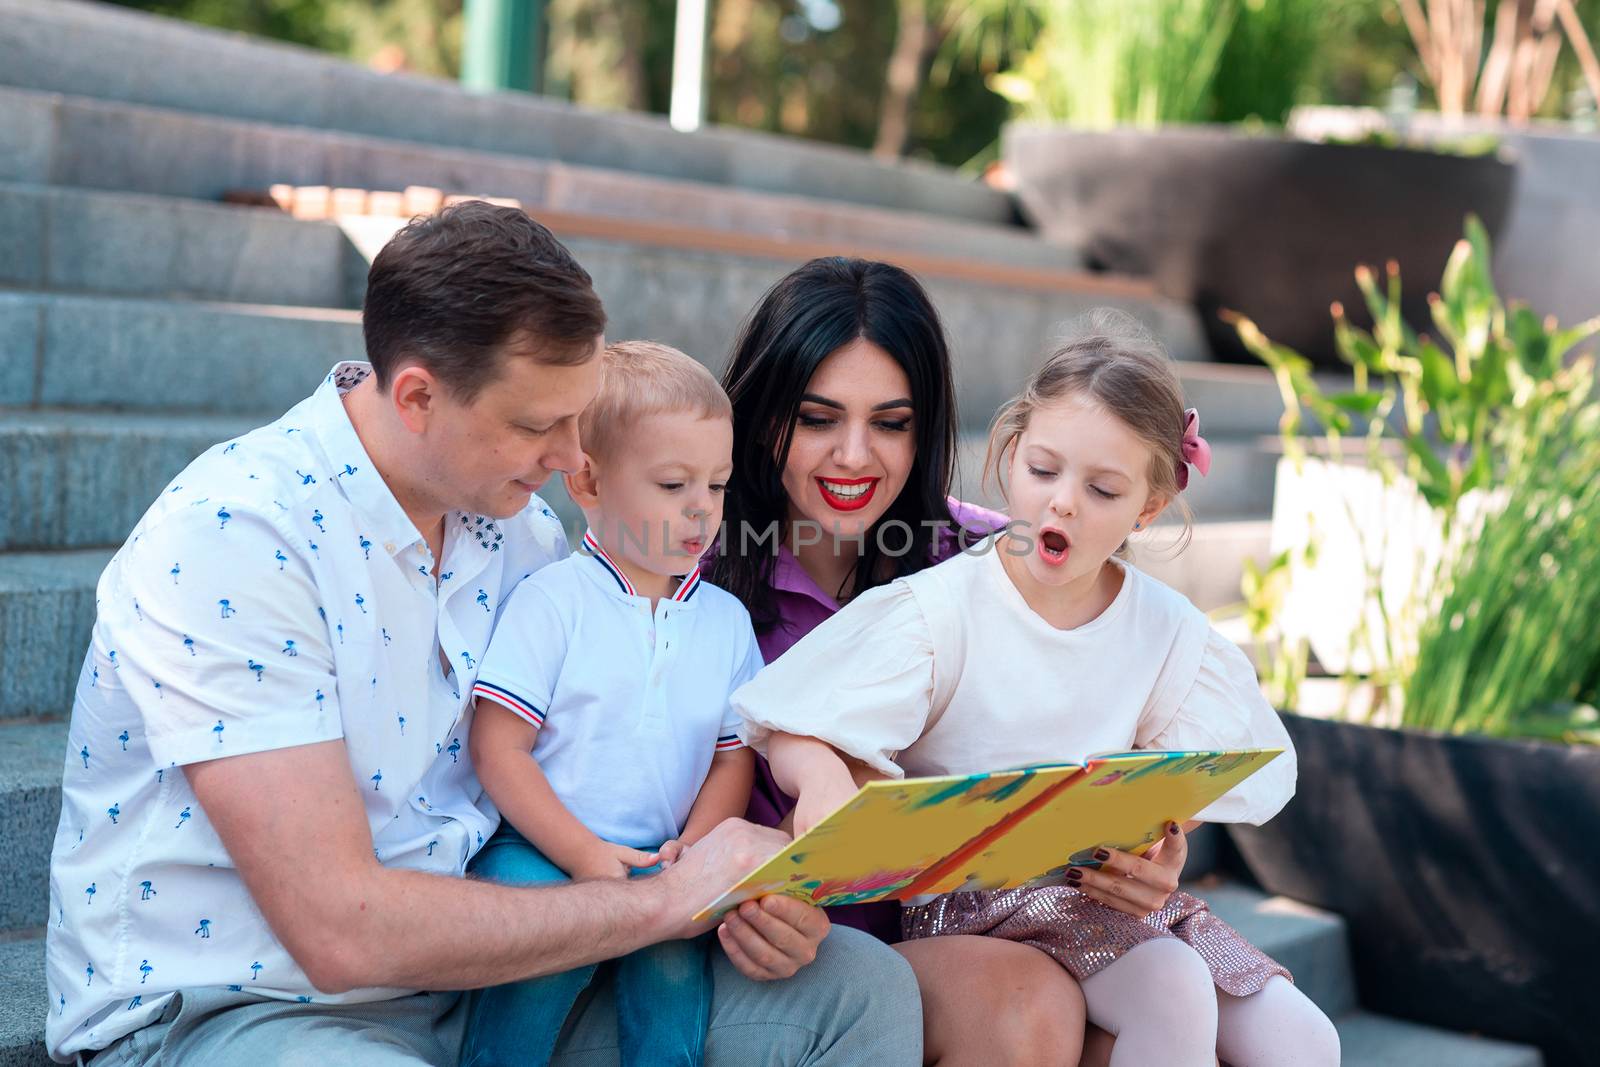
(630,702)
(274,595)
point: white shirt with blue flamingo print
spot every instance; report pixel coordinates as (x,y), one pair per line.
(274,595)
(631,701)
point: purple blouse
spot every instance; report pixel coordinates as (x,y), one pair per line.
(802,606)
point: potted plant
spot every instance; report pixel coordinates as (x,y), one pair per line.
(1223,215)
(1452,842)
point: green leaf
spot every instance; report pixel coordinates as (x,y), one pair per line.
(1440,386)
(1356,403)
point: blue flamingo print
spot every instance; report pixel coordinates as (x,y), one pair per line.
(144,970)
(320,699)
(146,890)
(223,517)
(85,755)
(204,929)
(431,845)
(137,610)
(123,737)
(255,970)
(402,719)
(422,570)
(236,989)
(483,600)
(94,679)
(377,780)
(61,916)
(111,654)
(314,551)
(316,520)
(302,999)
(278,555)
(188,643)
(340,628)
(63,1008)
(471,663)
(232,445)
(228,610)
(159,695)
(89,970)
(305,479)
(183,817)
(113,811)
(366,546)
(136,1001)
(385,636)
(446,576)
(480,838)
(217,729)
(347,470)
(454,749)
(254,666)
(423,803)
(89,893)
(361,602)
(175,571)
(160,773)
(289,649)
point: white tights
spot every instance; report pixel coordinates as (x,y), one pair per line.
(1160,1003)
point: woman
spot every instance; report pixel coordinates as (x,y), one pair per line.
(844,443)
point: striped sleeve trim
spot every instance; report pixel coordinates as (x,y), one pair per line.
(728,743)
(507,699)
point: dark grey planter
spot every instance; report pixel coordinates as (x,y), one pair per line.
(1264,225)
(1466,867)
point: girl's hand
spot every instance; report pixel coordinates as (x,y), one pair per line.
(606,860)
(820,799)
(669,853)
(1135,885)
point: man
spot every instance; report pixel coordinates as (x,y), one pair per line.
(266,810)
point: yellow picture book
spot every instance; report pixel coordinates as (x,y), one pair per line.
(899,839)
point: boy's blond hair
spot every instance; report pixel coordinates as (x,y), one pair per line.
(640,378)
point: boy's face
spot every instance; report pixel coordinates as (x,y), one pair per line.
(658,494)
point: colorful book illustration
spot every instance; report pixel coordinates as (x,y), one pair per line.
(900,839)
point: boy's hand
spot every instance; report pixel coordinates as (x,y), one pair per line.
(669,853)
(606,860)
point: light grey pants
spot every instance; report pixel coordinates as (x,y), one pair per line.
(857,1004)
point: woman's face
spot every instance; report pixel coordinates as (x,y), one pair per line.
(854,442)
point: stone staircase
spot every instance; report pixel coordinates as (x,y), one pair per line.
(142,320)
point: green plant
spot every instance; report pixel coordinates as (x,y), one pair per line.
(1489,401)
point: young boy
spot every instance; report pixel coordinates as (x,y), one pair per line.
(602,728)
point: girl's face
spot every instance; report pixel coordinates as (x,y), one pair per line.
(854,442)
(1079,479)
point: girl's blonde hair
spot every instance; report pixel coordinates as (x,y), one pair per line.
(1109,358)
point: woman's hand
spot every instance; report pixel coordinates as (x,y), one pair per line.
(1135,885)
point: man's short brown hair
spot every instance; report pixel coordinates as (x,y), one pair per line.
(451,290)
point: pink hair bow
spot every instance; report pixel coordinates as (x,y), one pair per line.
(1193,449)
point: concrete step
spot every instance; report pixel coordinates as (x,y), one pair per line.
(102,51)
(110,145)
(80,479)
(1209,569)
(1368,1040)
(23,1000)
(31,758)
(46,612)
(129,244)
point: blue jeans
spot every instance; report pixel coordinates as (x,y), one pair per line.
(663,992)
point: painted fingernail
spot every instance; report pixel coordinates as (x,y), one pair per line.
(1101,854)
(1172,828)
(1074,875)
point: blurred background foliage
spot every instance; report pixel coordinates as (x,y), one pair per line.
(929,79)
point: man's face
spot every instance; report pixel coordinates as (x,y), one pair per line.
(490,455)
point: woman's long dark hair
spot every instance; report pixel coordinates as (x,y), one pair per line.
(806,317)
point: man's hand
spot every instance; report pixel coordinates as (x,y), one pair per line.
(1135,885)
(766,939)
(606,860)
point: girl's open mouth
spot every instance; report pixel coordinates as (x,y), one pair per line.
(851,494)
(1053,547)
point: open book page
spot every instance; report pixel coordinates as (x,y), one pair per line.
(896,839)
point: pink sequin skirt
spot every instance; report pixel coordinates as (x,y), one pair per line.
(1084,935)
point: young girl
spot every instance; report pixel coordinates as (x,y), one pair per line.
(1046,644)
